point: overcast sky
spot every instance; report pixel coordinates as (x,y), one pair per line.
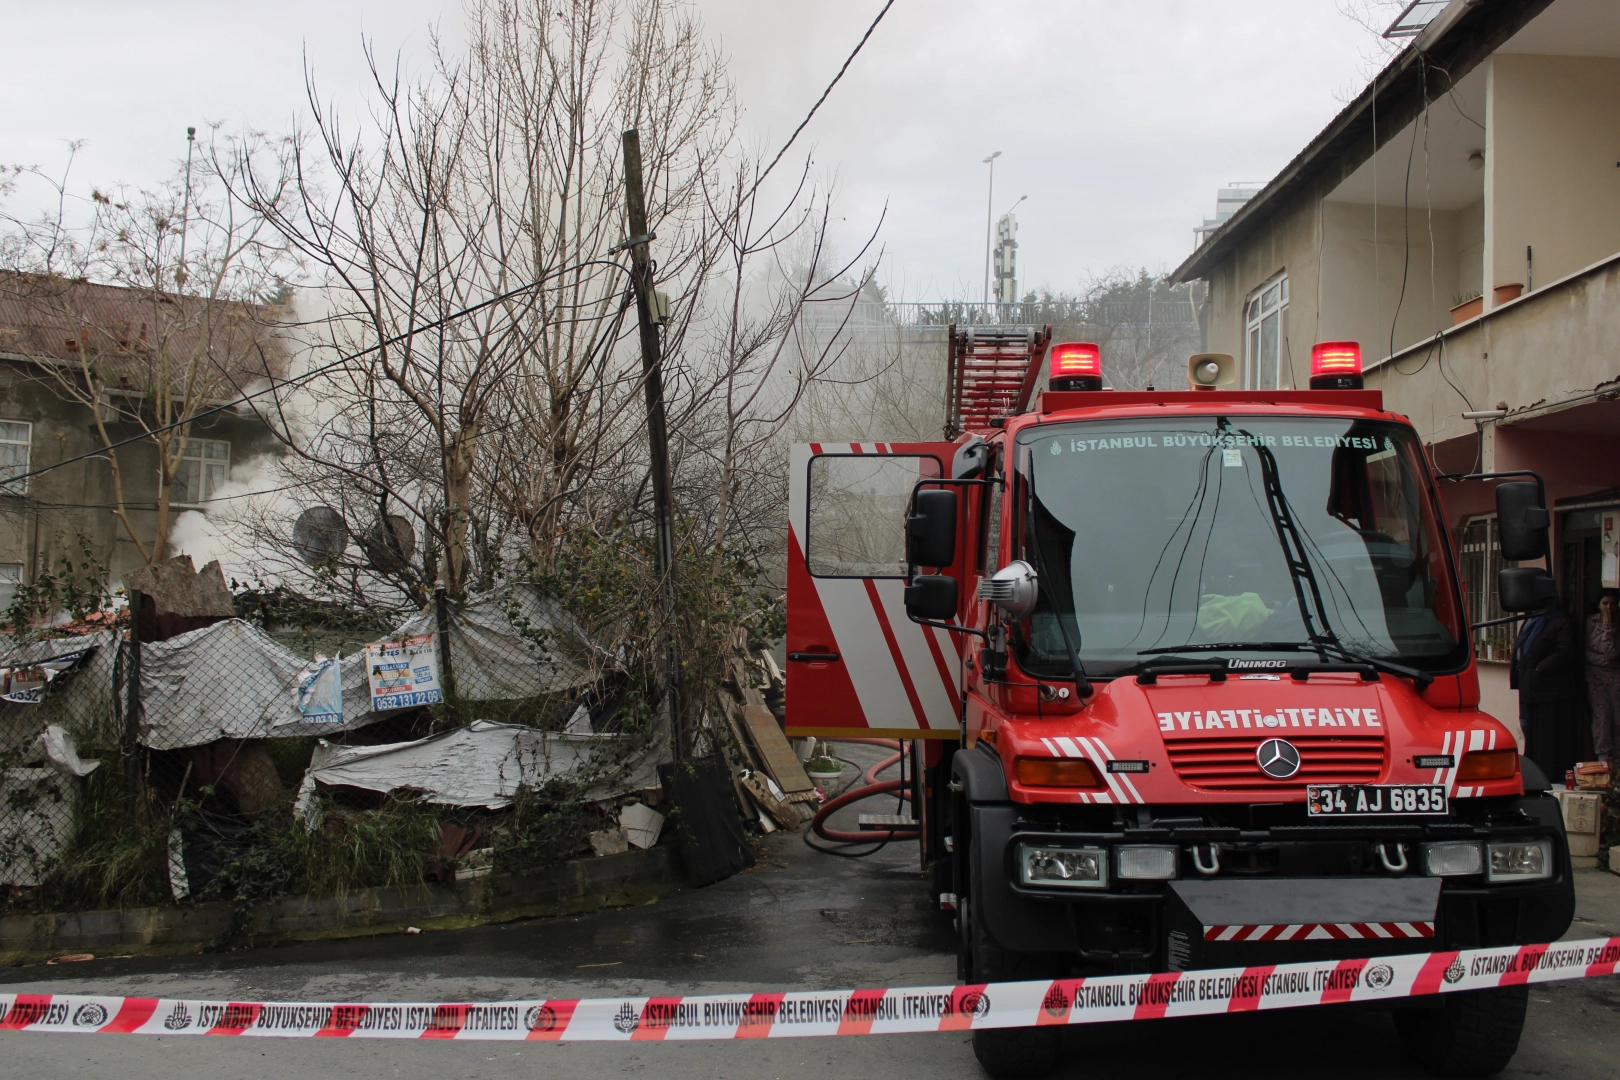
(1118,118)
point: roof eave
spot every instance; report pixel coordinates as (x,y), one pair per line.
(1462,35)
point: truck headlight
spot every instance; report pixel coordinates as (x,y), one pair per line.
(1525,861)
(1069,868)
(1454,859)
(1147,863)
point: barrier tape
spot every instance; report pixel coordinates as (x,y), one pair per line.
(835,1012)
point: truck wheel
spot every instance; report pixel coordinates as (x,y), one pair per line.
(1473,1033)
(1031,1051)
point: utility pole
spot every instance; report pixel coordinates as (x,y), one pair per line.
(185,212)
(989,208)
(652,373)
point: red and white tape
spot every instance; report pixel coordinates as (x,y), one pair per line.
(834,1012)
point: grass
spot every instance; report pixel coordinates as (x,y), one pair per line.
(122,860)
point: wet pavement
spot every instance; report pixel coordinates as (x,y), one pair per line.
(798,920)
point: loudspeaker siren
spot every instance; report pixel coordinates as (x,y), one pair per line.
(1206,371)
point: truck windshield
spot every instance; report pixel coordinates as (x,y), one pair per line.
(1257,534)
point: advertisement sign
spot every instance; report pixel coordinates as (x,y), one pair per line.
(318,691)
(403,673)
(26,685)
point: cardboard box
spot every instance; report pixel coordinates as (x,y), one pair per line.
(1583,814)
(1592,776)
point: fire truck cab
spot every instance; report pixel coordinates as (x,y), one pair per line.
(1187,678)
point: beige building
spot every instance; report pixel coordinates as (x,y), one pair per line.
(48,329)
(1461,220)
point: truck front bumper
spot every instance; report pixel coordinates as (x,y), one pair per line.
(1283,894)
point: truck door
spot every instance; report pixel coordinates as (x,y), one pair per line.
(857,666)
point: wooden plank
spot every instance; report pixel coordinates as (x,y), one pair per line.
(775,752)
(745,686)
(777,678)
(745,743)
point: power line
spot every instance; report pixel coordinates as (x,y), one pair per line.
(824,94)
(36,505)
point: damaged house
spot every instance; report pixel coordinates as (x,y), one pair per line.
(80,366)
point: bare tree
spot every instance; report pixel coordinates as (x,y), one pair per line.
(496,175)
(1375,50)
(513,437)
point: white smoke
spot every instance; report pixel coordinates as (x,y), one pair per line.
(257,489)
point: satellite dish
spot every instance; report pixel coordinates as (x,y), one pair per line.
(393,550)
(320,535)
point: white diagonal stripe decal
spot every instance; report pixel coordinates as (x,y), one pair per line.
(1102,767)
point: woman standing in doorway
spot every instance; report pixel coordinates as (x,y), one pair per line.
(1603,675)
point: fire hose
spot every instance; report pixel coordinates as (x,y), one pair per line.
(871,787)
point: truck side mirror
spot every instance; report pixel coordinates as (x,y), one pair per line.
(1521,522)
(1524,588)
(931,596)
(931,530)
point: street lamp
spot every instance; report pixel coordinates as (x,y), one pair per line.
(989,203)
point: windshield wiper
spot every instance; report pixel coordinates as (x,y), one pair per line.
(1421,678)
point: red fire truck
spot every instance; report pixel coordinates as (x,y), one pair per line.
(1187,678)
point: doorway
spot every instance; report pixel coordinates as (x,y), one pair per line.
(1581,559)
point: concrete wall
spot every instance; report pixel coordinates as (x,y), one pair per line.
(39,531)
(1551,178)
(1551,346)
(1496,698)
(1362,274)
(1330,253)
(1471,249)
(1288,241)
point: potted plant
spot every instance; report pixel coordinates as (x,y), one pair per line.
(1466,305)
(1504,293)
(823,770)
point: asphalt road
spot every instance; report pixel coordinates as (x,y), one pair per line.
(799,920)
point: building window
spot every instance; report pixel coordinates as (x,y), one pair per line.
(1266,322)
(202,472)
(10,579)
(1480,553)
(16,442)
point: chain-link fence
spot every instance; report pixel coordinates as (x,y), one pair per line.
(158,757)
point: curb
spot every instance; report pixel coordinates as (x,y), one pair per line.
(582,885)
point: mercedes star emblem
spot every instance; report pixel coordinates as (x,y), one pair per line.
(1278,759)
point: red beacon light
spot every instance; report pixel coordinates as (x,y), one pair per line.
(1076,365)
(1336,365)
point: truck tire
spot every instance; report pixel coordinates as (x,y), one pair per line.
(1011,1052)
(1473,1033)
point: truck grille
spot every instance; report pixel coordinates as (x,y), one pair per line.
(1228,764)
